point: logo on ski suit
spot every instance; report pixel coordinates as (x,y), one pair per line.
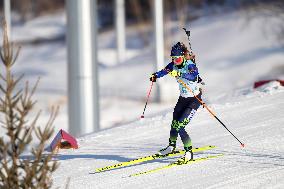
(193,85)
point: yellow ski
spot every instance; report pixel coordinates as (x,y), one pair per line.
(177,163)
(149,158)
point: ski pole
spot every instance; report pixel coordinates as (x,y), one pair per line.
(210,111)
(187,32)
(142,116)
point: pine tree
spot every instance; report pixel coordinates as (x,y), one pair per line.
(16,170)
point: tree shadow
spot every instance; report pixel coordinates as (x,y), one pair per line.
(63,157)
(92,156)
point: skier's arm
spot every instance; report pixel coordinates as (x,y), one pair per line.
(162,72)
(192,73)
(165,71)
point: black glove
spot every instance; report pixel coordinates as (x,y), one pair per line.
(153,78)
(200,81)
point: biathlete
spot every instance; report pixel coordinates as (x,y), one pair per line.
(183,67)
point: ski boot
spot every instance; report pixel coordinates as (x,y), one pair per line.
(188,156)
(169,149)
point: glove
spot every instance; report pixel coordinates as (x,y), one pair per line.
(153,77)
(175,73)
(200,81)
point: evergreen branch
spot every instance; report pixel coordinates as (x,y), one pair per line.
(15,172)
(1,76)
(16,56)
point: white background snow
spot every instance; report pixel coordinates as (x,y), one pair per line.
(231,56)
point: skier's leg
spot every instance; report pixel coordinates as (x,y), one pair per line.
(173,133)
(187,115)
(173,137)
(179,126)
(178,111)
(186,140)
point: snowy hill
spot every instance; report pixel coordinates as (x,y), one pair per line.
(229,65)
(231,56)
(256,117)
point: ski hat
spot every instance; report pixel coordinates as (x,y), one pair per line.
(177,50)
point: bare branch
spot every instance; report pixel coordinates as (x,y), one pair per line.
(15,105)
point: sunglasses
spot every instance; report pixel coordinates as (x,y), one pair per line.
(177,59)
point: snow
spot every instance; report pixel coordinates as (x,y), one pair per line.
(230,58)
(256,118)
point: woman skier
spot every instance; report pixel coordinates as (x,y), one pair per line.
(182,67)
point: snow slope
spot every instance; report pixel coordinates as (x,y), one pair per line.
(230,55)
(255,116)
(229,65)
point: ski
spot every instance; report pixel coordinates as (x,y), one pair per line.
(176,163)
(149,158)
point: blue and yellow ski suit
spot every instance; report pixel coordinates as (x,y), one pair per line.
(187,104)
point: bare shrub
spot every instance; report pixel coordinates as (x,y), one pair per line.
(33,171)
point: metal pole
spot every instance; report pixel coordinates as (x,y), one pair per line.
(159,40)
(96,93)
(7,12)
(120,29)
(82,90)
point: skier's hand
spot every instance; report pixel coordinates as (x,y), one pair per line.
(175,73)
(153,78)
(200,81)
